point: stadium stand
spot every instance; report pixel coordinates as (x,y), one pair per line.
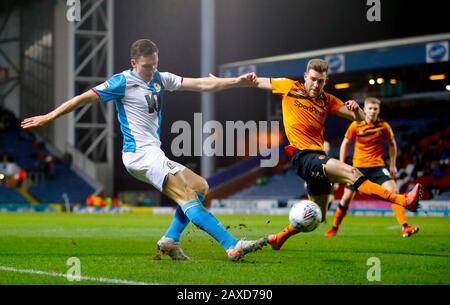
(423,157)
(282,187)
(10,195)
(48,177)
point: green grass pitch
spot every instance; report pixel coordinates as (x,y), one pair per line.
(123,247)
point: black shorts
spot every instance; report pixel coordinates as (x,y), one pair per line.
(309,165)
(378,175)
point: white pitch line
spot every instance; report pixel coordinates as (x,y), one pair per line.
(82,278)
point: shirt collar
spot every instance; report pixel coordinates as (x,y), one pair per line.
(136,76)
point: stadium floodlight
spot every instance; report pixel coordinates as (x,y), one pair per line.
(437,77)
(342,86)
(393,81)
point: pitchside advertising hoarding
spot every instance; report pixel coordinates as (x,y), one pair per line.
(375,207)
(336,63)
(242,206)
(357,207)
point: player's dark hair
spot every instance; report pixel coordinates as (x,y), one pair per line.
(318,65)
(143,47)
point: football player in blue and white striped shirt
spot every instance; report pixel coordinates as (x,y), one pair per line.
(138,96)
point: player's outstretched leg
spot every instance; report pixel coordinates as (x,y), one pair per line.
(340,172)
(276,241)
(409,200)
(204,220)
(178,190)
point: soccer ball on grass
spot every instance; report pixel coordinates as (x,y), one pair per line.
(305,215)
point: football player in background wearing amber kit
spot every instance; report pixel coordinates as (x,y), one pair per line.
(305,108)
(370,137)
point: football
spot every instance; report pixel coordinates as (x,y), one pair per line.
(305,215)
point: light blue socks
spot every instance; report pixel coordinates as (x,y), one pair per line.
(179,222)
(204,220)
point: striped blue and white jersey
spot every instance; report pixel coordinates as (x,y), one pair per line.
(138,105)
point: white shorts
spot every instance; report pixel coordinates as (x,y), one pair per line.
(150,165)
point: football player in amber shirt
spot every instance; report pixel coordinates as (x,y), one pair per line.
(305,108)
(370,137)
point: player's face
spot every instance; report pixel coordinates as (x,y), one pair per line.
(145,66)
(372,110)
(314,82)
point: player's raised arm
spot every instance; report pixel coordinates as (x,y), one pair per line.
(213,83)
(70,105)
(351,111)
(392,157)
(264,83)
(343,151)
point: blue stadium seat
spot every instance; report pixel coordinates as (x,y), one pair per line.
(10,195)
(281,187)
(65,180)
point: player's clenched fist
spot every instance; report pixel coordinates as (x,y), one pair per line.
(352,105)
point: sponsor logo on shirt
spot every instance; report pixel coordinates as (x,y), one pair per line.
(311,109)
